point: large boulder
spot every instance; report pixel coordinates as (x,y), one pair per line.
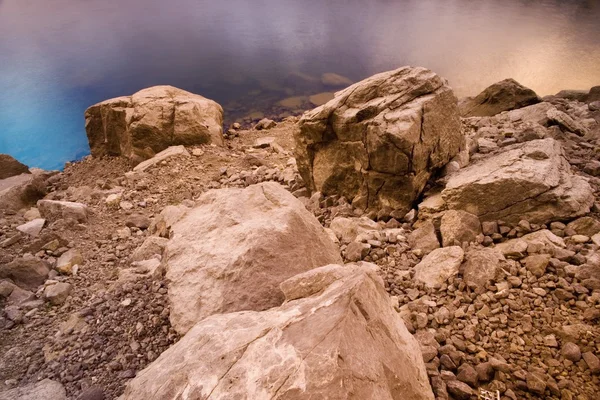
(23,190)
(505,95)
(336,337)
(531,181)
(42,390)
(11,167)
(231,252)
(151,120)
(378,141)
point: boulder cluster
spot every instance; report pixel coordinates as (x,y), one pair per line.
(393,243)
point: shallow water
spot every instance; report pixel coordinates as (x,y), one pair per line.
(57,57)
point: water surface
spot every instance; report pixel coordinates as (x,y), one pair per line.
(57,57)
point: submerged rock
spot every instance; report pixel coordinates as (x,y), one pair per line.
(531,181)
(336,337)
(231,252)
(151,120)
(378,141)
(505,95)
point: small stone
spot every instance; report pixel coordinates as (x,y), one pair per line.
(356,251)
(467,374)
(32,228)
(459,390)
(550,341)
(592,362)
(57,293)
(535,383)
(68,260)
(571,352)
(580,239)
(537,264)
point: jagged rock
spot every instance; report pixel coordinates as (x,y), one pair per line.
(232,251)
(439,265)
(578,95)
(357,251)
(23,190)
(265,123)
(11,167)
(171,151)
(545,240)
(536,264)
(587,226)
(43,390)
(566,122)
(26,272)
(481,266)
(153,246)
(501,96)
(459,226)
(53,210)
(151,120)
(347,229)
(531,181)
(32,228)
(378,141)
(68,260)
(536,114)
(57,293)
(335,337)
(424,238)
(593,95)
(592,362)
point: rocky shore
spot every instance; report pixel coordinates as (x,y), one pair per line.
(392,243)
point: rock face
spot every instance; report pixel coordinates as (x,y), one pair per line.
(336,337)
(231,252)
(378,141)
(459,226)
(531,181)
(11,167)
(151,120)
(501,96)
(46,390)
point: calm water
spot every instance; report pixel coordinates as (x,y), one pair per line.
(57,57)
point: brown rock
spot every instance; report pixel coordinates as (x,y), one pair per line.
(537,264)
(481,266)
(439,265)
(27,273)
(11,167)
(379,147)
(424,238)
(587,226)
(459,226)
(151,120)
(571,352)
(501,96)
(592,362)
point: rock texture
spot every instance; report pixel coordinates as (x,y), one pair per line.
(530,181)
(11,167)
(439,265)
(501,96)
(23,190)
(43,390)
(336,337)
(378,141)
(53,210)
(231,252)
(151,120)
